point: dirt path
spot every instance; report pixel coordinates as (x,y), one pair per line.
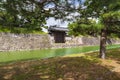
(114,65)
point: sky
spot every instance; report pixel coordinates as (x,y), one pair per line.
(51,21)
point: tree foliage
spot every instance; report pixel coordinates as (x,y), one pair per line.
(96,8)
(22,13)
(112,19)
(85,27)
(32,14)
(107,12)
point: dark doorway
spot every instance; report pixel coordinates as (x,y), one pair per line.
(58,33)
(59,37)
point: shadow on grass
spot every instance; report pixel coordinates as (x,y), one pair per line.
(68,68)
(114,54)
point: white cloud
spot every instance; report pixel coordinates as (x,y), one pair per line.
(52,21)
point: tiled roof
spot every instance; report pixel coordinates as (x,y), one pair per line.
(57,29)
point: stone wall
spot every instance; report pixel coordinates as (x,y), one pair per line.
(10,42)
(90,40)
(82,41)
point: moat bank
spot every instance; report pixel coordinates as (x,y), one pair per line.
(13,42)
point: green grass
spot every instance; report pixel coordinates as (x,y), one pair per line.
(46,53)
(20,30)
(88,67)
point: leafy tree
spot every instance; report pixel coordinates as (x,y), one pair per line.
(32,14)
(23,13)
(108,13)
(85,27)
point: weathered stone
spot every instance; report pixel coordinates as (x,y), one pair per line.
(12,42)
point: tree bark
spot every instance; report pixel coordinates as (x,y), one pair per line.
(103,43)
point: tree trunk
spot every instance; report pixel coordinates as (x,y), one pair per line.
(103,43)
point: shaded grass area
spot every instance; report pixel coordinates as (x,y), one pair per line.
(87,67)
(114,54)
(111,54)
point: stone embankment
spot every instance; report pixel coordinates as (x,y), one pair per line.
(12,42)
(82,41)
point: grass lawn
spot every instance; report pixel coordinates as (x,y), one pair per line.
(47,53)
(73,67)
